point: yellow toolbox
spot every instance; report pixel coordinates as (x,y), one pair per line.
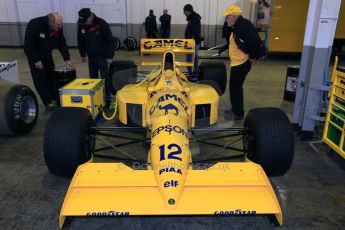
(83,93)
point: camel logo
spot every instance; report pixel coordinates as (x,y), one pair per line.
(168,107)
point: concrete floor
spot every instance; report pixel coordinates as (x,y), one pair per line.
(311,194)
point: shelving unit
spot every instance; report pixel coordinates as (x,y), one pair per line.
(334,132)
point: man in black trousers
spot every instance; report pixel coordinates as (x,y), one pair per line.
(42,35)
(244,44)
(193,31)
(165,20)
(151,25)
(96,41)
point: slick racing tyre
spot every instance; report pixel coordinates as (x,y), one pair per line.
(18,109)
(214,71)
(269,140)
(68,140)
(121,73)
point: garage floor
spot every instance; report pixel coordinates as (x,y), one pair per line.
(312,193)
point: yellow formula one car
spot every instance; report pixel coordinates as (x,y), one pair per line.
(171,111)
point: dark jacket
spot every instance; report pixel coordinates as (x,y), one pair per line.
(96,40)
(226,32)
(193,29)
(247,38)
(165,20)
(40,40)
(151,24)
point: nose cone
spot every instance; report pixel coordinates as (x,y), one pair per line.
(170,173)
(169,153)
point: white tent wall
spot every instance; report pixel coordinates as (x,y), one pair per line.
(126,17)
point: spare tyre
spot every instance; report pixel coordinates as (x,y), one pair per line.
(18,109)
(130,43)
(117,43)
(269,140)
(214,71)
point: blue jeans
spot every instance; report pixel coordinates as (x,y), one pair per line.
(196,61)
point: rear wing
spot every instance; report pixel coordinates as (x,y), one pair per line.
(160,46)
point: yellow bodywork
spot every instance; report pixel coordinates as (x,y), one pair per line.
(170,186)
(333,134)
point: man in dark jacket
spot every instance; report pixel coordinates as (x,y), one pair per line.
(151,25)
(193,31)
(165,20)
(244,44)
(96,41)
(42,35)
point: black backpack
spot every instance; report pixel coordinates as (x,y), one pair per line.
(261,51)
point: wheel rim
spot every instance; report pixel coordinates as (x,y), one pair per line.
(28,110)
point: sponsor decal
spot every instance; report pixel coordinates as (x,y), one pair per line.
(172,155)
(171,169)
(16,106)
(164,43)
(8,67)
(109,213)
(169,106)
(170,129)
(235,212)
(171,183)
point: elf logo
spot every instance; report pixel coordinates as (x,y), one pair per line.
(171,183)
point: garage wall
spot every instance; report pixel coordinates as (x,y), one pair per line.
(126,17)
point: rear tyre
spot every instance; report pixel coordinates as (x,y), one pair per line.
(68,140)
(19,109)
(269,140)
(213,84)
(214,71)
(121,73)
